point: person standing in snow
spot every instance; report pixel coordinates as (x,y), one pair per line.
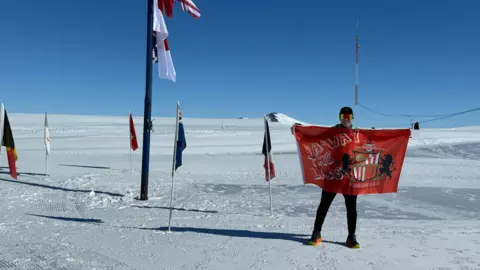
(346,118)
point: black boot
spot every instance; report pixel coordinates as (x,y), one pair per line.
(352,241)
(315,239)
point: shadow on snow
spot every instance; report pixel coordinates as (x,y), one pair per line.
(177,209)
(86,220)
(63,189)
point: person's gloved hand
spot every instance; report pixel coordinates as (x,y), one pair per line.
(292,129)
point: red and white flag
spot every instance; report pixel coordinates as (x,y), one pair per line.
(190,7)
(166,69)
(133,135)
(267,152)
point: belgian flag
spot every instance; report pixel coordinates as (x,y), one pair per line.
(7,141)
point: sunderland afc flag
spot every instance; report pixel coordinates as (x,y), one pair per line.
(181,141)
(7,141)
(133,134)
(352,161)
(267,152)
(46,136)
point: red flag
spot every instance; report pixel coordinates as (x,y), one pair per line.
(133,135)
(352,161)
(267,152)
(9,143)
(166,6)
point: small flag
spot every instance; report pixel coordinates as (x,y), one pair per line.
(181,141)
(47,136)
(190,7)
(267,152)
(133,135)
(8,142)
(161,51)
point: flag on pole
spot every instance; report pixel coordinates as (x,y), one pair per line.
(190,7)
(161,50)
(267,152)
(181,141)
(47,136)
(2,117)
(8,142)
(133,135)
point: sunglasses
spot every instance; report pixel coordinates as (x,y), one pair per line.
(346,116)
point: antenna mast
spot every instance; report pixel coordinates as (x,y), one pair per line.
(357,46)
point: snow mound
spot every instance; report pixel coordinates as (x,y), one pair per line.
(283,119)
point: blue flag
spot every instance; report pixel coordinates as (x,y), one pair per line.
(181,143)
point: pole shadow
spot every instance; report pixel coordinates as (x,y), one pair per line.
(63,189)
(174,208)
(84,166)
(23,173)
(85,220)
(300,238)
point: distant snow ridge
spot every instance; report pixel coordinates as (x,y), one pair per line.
(283,119)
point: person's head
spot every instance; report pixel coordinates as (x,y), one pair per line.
(346,117)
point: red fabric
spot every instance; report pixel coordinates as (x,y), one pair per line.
(166,6)
(352,161)
(272,168)
(133,135)
(11,156)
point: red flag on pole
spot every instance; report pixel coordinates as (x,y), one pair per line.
(133,135)
(8,142)
(352,161)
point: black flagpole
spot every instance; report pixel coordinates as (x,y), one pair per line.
(147,118)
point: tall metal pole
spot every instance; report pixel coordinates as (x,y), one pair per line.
(147,118)
(357,46)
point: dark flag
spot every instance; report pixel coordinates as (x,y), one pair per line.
(181,142)
(267,152)
(9,143)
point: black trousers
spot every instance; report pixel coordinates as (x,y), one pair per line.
(326,201)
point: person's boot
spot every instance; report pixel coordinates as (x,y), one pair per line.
(352,241)
(315,239)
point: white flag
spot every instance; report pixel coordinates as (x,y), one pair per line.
(47,136)
(166,70)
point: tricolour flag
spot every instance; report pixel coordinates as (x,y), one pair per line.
(47,136)
(267,152)
(133,134)
(181,140)
(8,142)
(161,50)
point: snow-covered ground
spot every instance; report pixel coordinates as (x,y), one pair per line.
(86,215)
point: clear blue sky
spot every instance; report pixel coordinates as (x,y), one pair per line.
(245,58)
